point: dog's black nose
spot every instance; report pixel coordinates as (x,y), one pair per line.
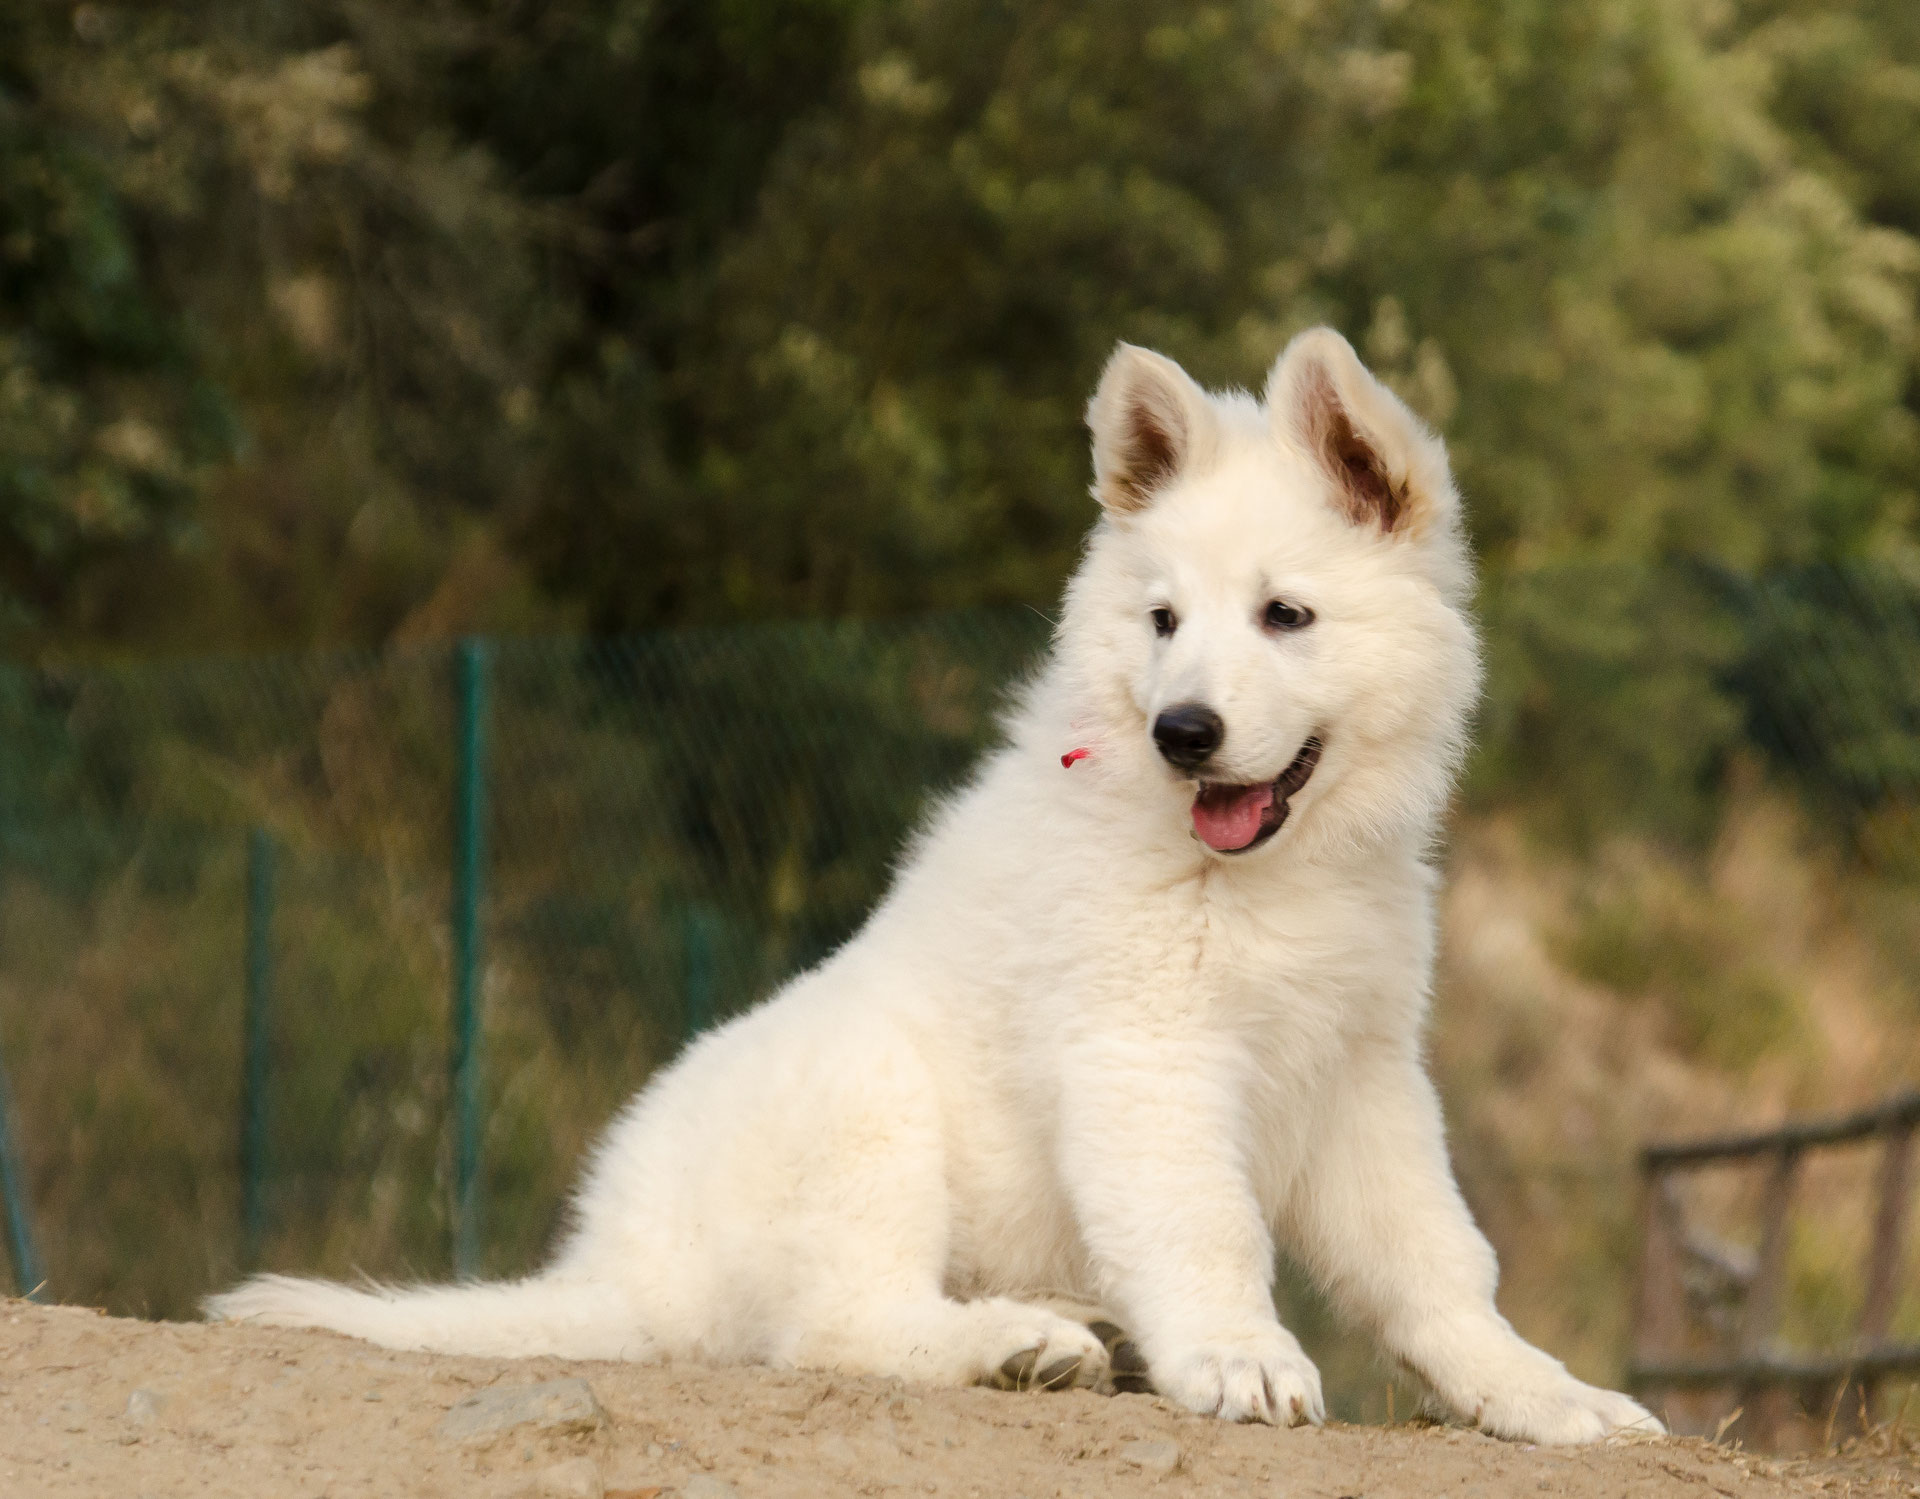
(1188,734)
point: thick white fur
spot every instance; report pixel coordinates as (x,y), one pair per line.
(1075,1053)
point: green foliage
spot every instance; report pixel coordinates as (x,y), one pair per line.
(1640,685)
(1830,676)
(1609,679)
(646,313)
(106,416)
(281,242)
(1573,236)
(1846,83)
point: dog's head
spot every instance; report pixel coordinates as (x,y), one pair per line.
(1271,619)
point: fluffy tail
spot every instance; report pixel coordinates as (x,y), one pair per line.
(511,1319)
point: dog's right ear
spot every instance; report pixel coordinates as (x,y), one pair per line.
(1149,421)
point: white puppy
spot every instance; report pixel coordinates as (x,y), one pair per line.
(1127,1014)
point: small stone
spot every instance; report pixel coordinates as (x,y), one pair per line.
(577,1478)
(1157,1458)
(559,1405)
(706,1486)
(656,1451)
(371,1395)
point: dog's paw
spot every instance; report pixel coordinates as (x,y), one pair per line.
(1260,1375)
(1126,1365)
(1040,1351)
(1562,1412)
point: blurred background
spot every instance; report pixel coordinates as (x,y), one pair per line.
(715,370)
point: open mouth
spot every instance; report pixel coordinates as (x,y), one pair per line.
(1233,819)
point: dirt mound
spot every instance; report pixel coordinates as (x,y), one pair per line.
(98,1405)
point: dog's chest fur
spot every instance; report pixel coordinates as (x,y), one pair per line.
(1276,980)
(1290,977)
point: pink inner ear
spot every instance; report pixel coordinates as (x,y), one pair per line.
(1152,454)
(1149,453)
(1369,491)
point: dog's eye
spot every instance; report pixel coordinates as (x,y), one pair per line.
(1164,624)
(1284,616)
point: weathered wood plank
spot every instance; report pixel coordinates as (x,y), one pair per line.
(1776,1369)
(1900,1111)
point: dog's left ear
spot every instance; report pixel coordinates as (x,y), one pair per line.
(1386,470)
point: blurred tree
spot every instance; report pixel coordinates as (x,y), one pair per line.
(106,414)
(1572,236)
(369,293)
(436,255)
(650,126)
(629,313)
(1845,78)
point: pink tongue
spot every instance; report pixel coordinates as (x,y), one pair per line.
(1231,821)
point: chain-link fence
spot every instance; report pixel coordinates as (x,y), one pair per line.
(243,902)
(230,916)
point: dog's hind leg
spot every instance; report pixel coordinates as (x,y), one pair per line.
(937,1340)
(863,1242)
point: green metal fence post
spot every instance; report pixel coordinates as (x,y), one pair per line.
(257,1034)
(13,1186)
(469,862)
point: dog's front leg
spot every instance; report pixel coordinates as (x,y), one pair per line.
(1160,1189)
(1381,1221)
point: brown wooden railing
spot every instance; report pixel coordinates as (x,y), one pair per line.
(1681,1270)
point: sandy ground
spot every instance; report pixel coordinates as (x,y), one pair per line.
(96,1405)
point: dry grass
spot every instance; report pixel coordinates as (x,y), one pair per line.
(1588,1006)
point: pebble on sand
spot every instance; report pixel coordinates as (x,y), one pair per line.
(577,1478)
(1159,1458)
(559,1405)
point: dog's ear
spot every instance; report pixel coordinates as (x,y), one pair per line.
(1386,469)
(1149,421)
